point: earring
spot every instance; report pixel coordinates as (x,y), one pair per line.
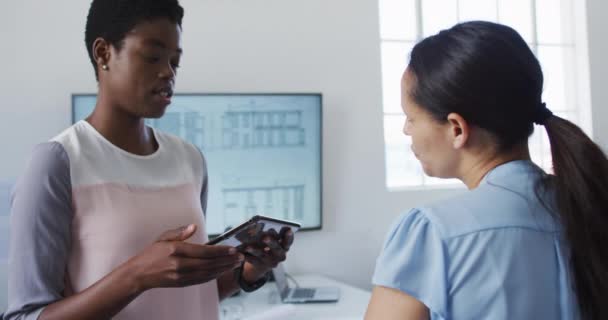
(104,67)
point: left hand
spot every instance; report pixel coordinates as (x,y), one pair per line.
(266,254)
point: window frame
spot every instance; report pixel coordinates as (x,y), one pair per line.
(577,98)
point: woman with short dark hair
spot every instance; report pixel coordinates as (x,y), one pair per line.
(87,213)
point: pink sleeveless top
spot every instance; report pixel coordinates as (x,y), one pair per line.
(122,202)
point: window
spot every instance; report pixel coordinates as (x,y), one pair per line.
(549,28)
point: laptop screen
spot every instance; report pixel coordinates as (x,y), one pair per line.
(281,280)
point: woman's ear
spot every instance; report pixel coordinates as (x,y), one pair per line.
(101,52)
(458,130)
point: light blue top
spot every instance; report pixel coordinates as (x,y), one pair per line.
(494,252)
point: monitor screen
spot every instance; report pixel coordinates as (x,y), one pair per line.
(263,152)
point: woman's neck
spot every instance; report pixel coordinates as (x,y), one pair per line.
(123,130)
(475,169)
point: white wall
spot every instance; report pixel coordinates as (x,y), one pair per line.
(597,26)
(328,46)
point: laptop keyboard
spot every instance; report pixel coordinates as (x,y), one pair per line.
(303,293)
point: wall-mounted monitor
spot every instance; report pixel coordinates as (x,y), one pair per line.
(263,152)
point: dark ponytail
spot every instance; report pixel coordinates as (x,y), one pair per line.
(580,184)
(487,73)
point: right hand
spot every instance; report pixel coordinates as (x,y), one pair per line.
(171,262)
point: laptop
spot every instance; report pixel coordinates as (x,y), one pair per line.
(302,295)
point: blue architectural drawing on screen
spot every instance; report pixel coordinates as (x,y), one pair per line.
(263,152)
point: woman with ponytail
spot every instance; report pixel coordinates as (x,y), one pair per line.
(521,243)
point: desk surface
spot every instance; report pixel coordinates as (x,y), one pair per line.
(265,303)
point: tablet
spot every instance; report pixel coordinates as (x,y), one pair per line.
(250,231)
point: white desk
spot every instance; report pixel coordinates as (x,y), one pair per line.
(352,304)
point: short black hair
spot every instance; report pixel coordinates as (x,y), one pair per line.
(112,19)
